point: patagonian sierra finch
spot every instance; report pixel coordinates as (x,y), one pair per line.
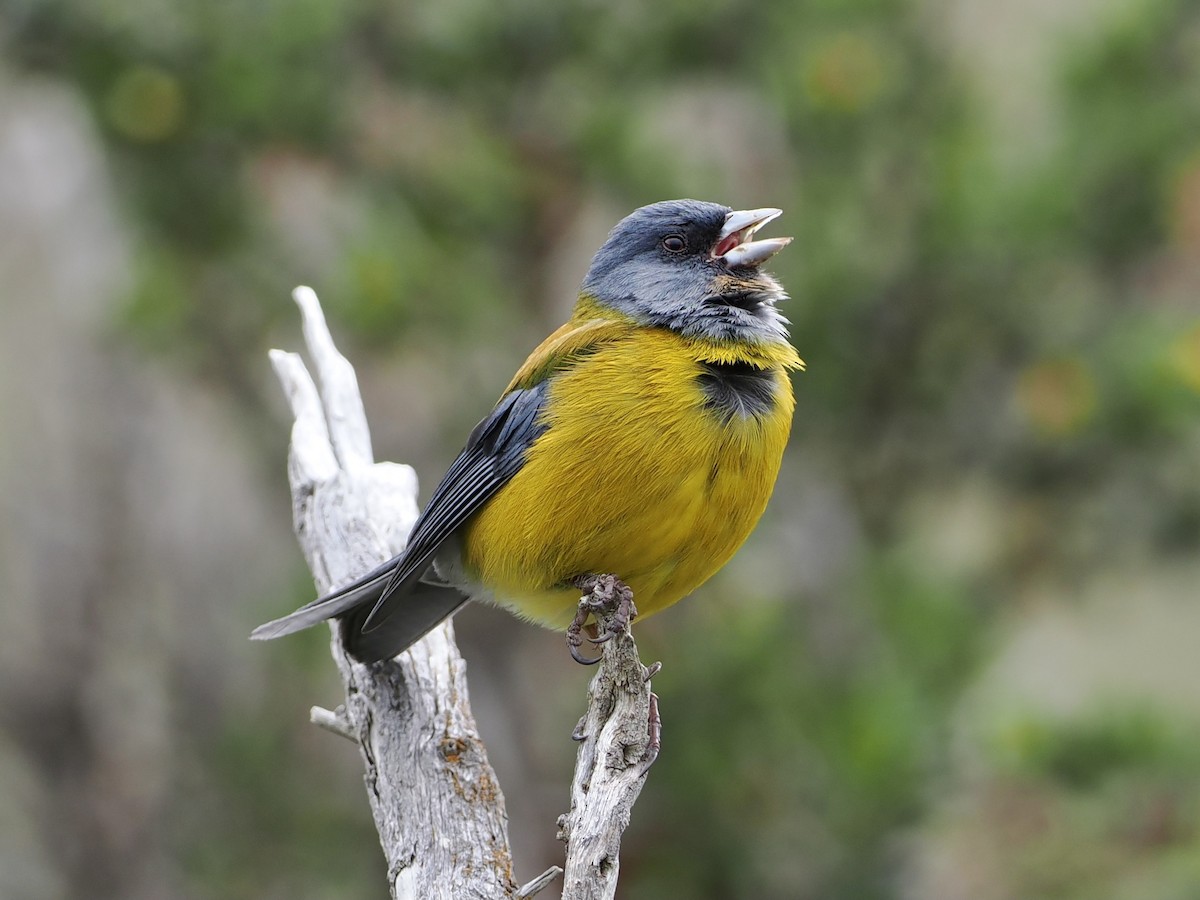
(642,440)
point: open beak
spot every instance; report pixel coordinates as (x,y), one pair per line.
(734,244)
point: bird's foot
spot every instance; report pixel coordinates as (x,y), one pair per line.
(601,594)
(607,593)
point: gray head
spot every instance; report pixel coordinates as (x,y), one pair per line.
(692,267)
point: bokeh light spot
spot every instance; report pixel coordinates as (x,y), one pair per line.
(145,104)
(1184,204)
(845,73)
(1183,356)
(1058,397)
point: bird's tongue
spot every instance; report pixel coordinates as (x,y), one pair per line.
(728,243)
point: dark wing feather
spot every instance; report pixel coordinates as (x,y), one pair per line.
(424,607)
(494,453)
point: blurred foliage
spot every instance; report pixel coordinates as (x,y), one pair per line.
(1100,805)
(1034,328)
(815,762)
(1079,754)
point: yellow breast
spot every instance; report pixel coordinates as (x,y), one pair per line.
(635,476)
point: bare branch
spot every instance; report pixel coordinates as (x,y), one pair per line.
(619,736)
(436,803)
(535,886)
(339,386)
(333,721)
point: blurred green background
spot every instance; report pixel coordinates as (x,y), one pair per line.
(958,659)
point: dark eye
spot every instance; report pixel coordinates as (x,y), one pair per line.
(674,244)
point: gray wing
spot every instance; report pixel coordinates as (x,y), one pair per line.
(389,608)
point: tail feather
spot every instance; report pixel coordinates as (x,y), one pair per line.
(421,606)
(369,588)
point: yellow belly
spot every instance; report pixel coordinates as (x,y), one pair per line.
(635,478)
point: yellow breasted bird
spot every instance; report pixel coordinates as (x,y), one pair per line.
(642,439)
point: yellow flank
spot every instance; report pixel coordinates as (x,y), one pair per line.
(634,477)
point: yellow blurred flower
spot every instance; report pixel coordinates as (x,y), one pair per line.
(1183,357)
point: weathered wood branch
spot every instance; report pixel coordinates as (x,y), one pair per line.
(618,742)
(436,803)
(435,799)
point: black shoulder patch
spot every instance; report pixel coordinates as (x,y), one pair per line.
(737,389)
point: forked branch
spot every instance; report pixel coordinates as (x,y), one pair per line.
(438,809)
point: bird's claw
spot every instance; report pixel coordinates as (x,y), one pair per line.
(579,734)
(600,593)
(573,646)
(575,638)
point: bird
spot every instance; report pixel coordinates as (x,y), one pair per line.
(640,441)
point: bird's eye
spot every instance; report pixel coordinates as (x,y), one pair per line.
(674,244)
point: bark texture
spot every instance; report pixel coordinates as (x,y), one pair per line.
(618,742)
(436,803)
